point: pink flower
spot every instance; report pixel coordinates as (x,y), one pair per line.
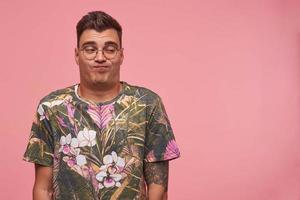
(111,172)
(65,142)
(69,160)
(69,146)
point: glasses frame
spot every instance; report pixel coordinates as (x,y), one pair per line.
(97,51)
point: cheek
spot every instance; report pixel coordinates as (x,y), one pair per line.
(116,67)
(83,64)
(117,63)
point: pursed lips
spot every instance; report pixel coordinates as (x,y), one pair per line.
(100,68)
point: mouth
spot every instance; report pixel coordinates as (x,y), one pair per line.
(100,68)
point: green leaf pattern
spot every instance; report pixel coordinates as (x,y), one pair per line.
(97,150)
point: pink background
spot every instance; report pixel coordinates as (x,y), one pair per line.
(228,72)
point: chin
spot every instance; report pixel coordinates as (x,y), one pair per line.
(95,82)
(98,79)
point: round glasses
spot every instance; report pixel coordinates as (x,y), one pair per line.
(109,52)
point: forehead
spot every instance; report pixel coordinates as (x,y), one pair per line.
(99,38)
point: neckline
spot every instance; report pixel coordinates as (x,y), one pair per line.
(123,83)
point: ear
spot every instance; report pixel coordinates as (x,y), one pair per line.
(121,55)
(76,55)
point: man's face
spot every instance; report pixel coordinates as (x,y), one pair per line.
(99,69)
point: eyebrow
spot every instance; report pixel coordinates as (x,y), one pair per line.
(94,43)
(111,42)
(88,43)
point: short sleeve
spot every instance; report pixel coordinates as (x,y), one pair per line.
(160,141)
(40,146)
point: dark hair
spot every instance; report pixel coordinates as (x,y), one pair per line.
(99,21)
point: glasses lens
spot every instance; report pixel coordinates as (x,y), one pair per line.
(110,52)
(90,53)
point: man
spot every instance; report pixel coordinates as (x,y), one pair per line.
(102,138)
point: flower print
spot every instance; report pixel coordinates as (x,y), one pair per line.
(77,163)
(111,172)
(69,160)
(82,171)
(69,146)
(86,138)
(80,160)
(50,104)
(114,160)
(73,160)
(74,143)
(171,150)
(65,142)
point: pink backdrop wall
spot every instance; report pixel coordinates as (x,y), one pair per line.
(228,72)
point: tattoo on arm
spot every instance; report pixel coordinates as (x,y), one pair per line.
(157,173)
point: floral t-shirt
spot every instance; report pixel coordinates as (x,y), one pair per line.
(98,150)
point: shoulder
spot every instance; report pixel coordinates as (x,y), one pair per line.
(141,92)
(58,96)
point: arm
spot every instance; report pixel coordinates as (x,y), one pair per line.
(156,176)
(42,189)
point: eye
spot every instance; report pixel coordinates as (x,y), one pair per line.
(110,49)
(90,50)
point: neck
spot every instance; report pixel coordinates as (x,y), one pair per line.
(99,93)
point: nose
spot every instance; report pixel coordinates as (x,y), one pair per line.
(100,56)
